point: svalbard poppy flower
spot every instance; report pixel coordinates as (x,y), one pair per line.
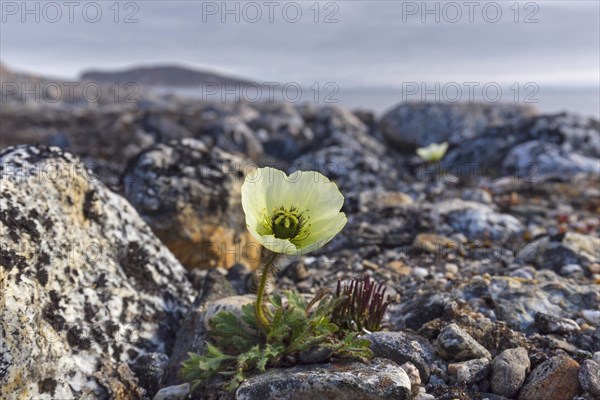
(293,214)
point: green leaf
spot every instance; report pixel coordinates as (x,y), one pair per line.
(295,300)
(275,299)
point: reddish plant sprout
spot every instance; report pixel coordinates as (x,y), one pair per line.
(363,305)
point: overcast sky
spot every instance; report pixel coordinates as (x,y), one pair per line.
(373,43)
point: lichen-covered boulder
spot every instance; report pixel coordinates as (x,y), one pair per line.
(411,125)
(190,195)
(344,151)
(529,148)
(534,158)
(86,287)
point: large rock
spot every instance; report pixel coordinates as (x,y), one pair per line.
(474,220)
(534,158)
(517,302)
(556,379)
(589,377)
(377,380)
(560,250)
(471,371)
(412,125)
(282,130)
(403,347)
(232,134)
(529,148)
(190,195)
(453,343)
(86,286)
(343,150)
(509,370)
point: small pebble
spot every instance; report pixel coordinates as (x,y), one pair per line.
(525,273)
(424,396)
(593,316)
(571,269)
(370,265)
(420,272)
(178,392)
(452,268)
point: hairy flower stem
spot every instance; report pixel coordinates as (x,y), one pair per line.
(260,294)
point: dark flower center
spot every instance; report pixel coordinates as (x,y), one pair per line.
(286,223)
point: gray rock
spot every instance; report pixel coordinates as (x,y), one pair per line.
(424,396)
(343,163)
(233,135)
(592,316)
(414,313)
(532,159)
(178,392)
(316,354)
(556,251)
(573,140)
(380,379)
(193,333)
(574,132)
(474,220)
(86,285)
(550,324)
(344,151)
(281,130)
(509,370)
(455,344)
(403,347)
(336,126)
(412,125)
(190,195)
(392,226)
(471,371)
(150,370)
(571,270)
(477,195)
(596,343)
(589,376)
(518,302)
(163,126)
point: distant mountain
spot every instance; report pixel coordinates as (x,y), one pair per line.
(166,75)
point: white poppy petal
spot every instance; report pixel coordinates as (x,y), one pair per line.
(277,245)
(322,232)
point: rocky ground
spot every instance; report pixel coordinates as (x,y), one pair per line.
(119,238)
